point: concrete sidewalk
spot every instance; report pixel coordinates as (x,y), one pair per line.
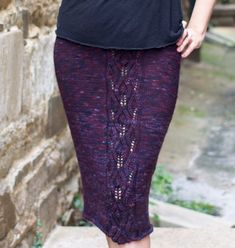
(82,237)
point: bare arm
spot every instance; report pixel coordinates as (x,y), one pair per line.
(195,31)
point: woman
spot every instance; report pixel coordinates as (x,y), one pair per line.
(117,65)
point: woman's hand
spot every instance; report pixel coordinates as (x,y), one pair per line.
(195,31)
(191,39)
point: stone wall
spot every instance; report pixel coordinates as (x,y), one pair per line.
(38,168)
(224,15)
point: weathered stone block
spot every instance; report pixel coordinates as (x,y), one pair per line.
(23,244)
(39,77)
(57,120)
(53,165)
(26,194)
(4,244)
(20,200)
(48,210)
(25,20)
(35,185)
(11,71)
(65,145)
(22,172)
(18,139)
(4,3)
(1,27)
(7,214)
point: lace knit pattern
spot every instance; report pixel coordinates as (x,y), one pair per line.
(119,104)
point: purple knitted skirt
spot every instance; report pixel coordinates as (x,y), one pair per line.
(119,104)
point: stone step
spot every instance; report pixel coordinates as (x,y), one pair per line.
(224,10)
(164,237)
(172,215)
(226,32)
(223,15)
(221,35)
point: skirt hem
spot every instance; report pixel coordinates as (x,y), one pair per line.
(96,223)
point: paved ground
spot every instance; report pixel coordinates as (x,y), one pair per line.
(92,237)
(202,162)
(227,32)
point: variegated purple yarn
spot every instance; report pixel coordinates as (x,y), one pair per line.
(119,104)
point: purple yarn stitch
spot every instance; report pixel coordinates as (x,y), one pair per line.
(119,104)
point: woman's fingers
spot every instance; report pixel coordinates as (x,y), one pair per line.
(195,44)
(185,43)
(188,50)
(179,42)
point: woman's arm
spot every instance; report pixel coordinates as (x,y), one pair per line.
(195,31)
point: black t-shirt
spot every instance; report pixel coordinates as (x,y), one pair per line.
(123,24)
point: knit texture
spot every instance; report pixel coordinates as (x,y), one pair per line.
(119,104)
